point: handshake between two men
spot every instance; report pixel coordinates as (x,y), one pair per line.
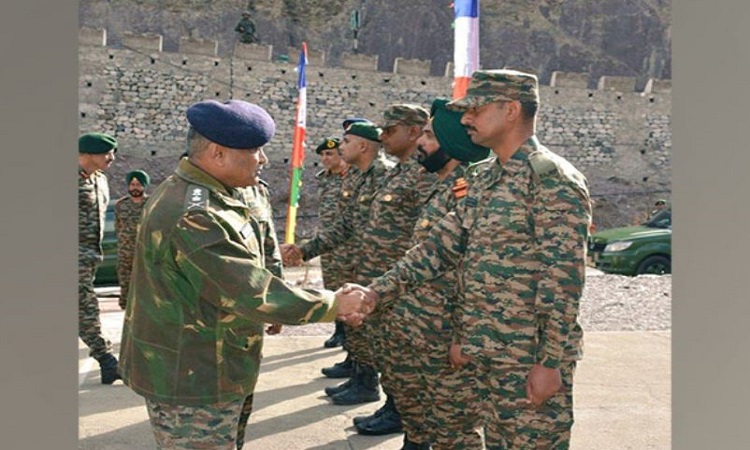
(355,302)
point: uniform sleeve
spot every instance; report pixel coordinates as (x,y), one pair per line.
(226,273)
(561,219)
(119,225)
(271,246)
(440,251)
(327,239)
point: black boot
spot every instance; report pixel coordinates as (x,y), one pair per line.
(337,338)
(389,422)
(333,390)
(343,369)
(411,445)
(364,388)
(361,420)
(108,368)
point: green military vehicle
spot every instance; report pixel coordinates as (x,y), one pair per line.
(642,249)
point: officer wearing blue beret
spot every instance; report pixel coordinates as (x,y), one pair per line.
(200,289)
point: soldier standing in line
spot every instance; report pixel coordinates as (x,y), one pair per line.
(193,329)
(434,399)
(329,193)
(96,152)
(246,28)
(128,211)
(519,242)
(395,210)
(360,147)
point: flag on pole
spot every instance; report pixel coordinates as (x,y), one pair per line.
(298,148)
(466,44)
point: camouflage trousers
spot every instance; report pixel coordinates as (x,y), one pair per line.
(89,324)
(124,269)
(513,424)
(437,404)
(219,426)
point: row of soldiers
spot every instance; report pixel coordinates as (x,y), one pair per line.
(462,281)
(476,272)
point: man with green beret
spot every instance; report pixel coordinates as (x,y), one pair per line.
(359,147)
(438,405)
(518,239)
(329,194)
(659,205)
(96,152)
(200,291)
(128,211)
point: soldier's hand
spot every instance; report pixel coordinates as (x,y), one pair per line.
(456,358)
(291,255)
(542,383)
(352,307)
(371,297)
(274,328)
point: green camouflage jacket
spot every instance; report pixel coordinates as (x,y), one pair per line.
(258,199)
(93,197)
(193,327)
(351,223)
(519,241)
(127,217)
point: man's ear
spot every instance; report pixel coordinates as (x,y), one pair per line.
(216,153)
(513,111)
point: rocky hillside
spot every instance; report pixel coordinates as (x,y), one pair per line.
(601,37)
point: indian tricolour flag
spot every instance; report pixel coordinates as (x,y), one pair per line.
(298,148)
(466,44)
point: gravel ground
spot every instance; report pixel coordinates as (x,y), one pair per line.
(609,303)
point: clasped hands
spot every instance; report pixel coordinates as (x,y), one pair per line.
(291,255)
(355,303)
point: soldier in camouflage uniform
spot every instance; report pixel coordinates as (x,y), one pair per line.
(96,152)
(246,28)
(359,147)
(128,211)
(193,329)
(438,404)
(519,242)
(329,192)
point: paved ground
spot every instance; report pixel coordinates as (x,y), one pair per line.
(622,396)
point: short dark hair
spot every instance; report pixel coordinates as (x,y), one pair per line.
(529,109)
(196,142)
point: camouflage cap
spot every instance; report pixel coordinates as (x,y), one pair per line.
(404,114)
(328,144)
(487,86)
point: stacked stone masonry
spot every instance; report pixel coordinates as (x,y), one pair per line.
(140,95)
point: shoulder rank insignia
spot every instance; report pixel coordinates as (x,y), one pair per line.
(196,198)
(460,187)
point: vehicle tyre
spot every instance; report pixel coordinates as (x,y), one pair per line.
(656,264)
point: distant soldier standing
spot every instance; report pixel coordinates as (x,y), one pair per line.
(96,152)
(246,28)
(128,211)
(519,241)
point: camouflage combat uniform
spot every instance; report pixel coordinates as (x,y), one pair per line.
(331,203)
(246,28)
(93,197)
(519,240)
(351,228)
(127,217)
(193,328)
(437,403)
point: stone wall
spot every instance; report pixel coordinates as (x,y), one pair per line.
(619,138)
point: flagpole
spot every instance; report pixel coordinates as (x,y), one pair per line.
(298,148)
